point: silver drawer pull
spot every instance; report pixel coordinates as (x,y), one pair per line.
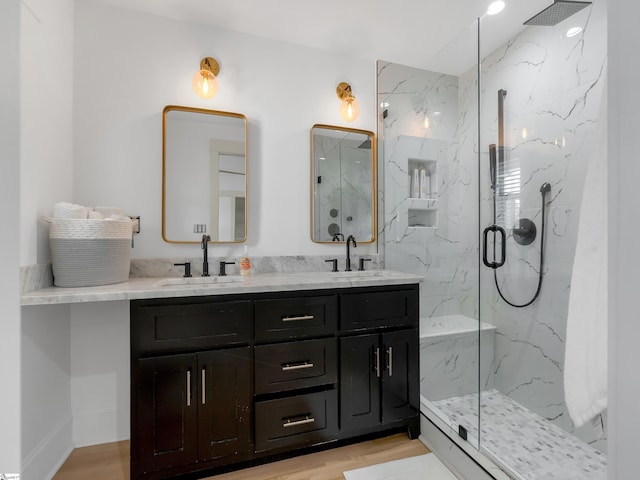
(295,319)
(298,366)
(307,420)
(390,359)
(188,388)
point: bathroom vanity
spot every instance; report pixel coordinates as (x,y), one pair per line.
(232,372)
(222,380)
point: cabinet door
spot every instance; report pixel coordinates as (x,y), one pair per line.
(359,382)
(224,400)
(167,412)
(401,378)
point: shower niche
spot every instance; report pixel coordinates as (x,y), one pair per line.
(421,203)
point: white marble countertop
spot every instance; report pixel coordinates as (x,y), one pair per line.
(140,288)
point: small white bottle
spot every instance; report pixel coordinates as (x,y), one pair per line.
(415,184)
(425,181)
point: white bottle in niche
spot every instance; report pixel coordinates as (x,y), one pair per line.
(425,181)
(415,184)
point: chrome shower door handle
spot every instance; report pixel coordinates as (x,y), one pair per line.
(503,249)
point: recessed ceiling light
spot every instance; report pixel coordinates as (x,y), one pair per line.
(496,7)
(572,32)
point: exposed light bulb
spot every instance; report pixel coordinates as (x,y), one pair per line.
(349,109)
(496,7)
(205,84)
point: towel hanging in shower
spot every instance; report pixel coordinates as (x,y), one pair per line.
(585,368)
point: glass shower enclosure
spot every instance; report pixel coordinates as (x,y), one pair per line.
(501,133)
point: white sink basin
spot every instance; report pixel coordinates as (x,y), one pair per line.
(359,274)
(198,281)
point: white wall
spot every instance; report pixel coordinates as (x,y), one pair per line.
(624,255)
(46,390)
(100,372)
(9,240)
(46,100)
(46,176)
(129,66)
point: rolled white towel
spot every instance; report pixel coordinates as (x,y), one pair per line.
(95,215)
(69,210)
(110,211)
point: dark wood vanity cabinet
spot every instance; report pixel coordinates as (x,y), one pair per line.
(232,380)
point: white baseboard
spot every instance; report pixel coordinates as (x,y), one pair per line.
(99,426)
(47,457)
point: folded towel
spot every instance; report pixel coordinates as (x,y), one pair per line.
(585,367)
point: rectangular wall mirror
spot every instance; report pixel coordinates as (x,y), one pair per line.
(343,184)
(204,175)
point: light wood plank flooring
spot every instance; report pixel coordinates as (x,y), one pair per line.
(111,461)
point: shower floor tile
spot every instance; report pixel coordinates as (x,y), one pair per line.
(531,447)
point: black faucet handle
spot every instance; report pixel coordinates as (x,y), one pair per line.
(334,264)
(223,267)
(361,263)
(187,268)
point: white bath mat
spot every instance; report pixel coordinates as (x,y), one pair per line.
(422,467)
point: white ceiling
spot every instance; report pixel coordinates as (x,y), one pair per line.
(409,32)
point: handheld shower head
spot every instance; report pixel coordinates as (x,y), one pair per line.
(545,188)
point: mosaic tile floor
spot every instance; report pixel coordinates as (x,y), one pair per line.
(525,442)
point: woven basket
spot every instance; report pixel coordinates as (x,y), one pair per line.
(89,252)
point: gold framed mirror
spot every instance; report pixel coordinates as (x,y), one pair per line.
(204,175)
(343,184)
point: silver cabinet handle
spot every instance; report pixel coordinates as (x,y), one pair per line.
(376,354)
(305,421)
(297,366)
(390,361)
(204,386)
(188,388)
(299,317)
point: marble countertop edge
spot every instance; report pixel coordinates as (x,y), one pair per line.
(155,287)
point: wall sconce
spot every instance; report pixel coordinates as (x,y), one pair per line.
(349,107)
(204,81)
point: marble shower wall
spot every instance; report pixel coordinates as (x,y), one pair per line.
(434,237)
(554,93)
(554,87)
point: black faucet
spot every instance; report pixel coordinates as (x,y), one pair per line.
(205,262)
(350,239)
(223,270)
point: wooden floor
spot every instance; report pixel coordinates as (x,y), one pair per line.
(111,461)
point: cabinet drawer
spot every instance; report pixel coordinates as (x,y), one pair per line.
(379,309)
(185,327)
(281,319)
(287,366)
(300,420)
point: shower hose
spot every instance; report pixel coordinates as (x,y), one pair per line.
(544,189)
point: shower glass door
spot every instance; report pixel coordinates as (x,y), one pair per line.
(428,160)
(502,130)
(540,95)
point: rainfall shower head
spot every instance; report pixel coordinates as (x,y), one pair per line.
(557,12)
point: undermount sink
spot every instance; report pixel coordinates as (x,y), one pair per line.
(198,281)
(359,274)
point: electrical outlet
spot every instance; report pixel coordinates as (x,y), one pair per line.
(200,228)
